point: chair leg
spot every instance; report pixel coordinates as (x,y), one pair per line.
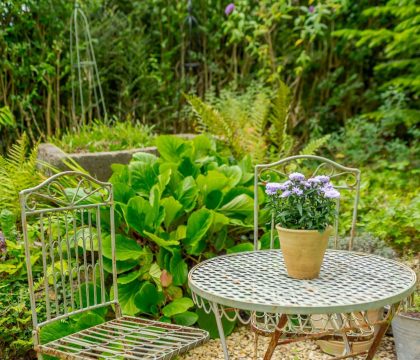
(275,337)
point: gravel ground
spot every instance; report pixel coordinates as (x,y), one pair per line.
(241,347)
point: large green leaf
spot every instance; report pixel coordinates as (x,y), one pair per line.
(140,215)
(166,244)
(122,266)
(187,193)
(143,175)
(88,320)
(126,295)
(208,322)
(187,318)
(148,298)
(172,209)
(241,248)
(57,330)
(214,180)
(197,226)
(213,199)
(91,294)
(178,268)
(125,248)
(171,148)
(242,204)
(177,306)
(233,173)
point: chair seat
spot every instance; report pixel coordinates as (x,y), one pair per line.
(126,338)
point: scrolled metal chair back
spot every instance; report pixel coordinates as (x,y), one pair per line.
(67,213)
(344,179)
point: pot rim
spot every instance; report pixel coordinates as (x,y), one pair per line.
(278,227)
(406,315)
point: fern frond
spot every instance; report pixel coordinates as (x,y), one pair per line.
(279,115)
(314,145)
(209,118)
(6,117)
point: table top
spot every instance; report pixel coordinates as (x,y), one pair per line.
(258,281)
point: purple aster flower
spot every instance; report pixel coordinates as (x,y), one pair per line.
(229,9)
(272,188)
(323,178)
(297,191)
(311,9)
(314,181)
(285,185)
(306,184)
(285,194)
(297,176)
(331,194)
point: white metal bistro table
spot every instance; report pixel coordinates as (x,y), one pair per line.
(254,287)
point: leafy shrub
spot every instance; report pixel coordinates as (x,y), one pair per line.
(172,212)
(15,320)
(101,137)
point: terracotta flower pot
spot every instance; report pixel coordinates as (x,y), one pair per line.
(303,251)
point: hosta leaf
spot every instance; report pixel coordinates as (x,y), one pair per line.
(177,306)
(197,226)
(143,176)
(214,180)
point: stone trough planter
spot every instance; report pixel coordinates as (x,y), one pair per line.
(97,164)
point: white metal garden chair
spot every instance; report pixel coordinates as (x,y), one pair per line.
(70,213)
(347,181)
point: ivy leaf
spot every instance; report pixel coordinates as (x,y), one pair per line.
(177,306)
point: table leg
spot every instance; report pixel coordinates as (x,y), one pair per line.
(216,312)
(381,332)
(275,337)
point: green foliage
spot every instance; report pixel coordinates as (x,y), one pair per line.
(15,319)
(173,211)
(101,137)
(18,171)
(251,123)
(6,117)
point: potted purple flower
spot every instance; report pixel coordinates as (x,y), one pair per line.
(304,210)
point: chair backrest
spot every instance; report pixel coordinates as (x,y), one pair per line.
(65,222)
(342,178)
